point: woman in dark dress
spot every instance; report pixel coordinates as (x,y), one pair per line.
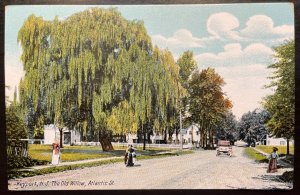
(272,168)
(129,156)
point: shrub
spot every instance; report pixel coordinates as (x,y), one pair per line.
(17,162)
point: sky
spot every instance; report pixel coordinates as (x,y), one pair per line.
(235,39)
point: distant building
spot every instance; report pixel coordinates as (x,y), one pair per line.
(190,135)
(51,133)
(272,141)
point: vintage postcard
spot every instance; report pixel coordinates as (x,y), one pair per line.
(169,96)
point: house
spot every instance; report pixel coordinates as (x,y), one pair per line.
(51,133)
(190,135)
(272,141)
(131,138)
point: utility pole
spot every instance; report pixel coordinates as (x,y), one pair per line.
(180,123)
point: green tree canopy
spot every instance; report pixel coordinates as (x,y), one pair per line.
(91,68)
(281,104)
(15,126)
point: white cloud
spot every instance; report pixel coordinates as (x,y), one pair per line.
(234,55)
(261,27)
(181,38)
(13,73)
(222,25)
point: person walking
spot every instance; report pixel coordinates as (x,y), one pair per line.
(272,168)
(55,153)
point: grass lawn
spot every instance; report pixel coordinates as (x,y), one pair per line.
(74,153)
(253,154)
(281,149)
(68,153)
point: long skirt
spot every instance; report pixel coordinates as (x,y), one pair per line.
(55,159)
(272,168)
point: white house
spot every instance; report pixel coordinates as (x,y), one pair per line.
(51,133)
(272,141)
(131,138)
(190,135)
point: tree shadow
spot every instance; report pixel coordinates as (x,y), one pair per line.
(268,178)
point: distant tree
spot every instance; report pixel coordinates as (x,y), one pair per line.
(187,65)
(252,126)
(227,128)
(281,104)
(208,103)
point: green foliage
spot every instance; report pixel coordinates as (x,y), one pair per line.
(208,103)
(187,65)
(17,162)
(281,105)
(15,126)
(90,69)
(252,126)
(227,128)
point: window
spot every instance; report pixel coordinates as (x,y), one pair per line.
(282,143)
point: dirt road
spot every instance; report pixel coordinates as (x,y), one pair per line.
(201,170)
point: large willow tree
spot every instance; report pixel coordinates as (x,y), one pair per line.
(97,72)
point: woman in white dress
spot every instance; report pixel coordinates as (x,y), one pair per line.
(55,153)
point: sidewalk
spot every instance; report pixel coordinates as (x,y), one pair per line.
(281,161)
(69,163)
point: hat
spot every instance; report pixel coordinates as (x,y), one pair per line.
(275,149)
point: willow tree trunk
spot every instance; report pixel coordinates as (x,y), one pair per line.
(61,137)
(170,138)
(211,139)
(206,140)
(144,146)
(105,141)
(202,139)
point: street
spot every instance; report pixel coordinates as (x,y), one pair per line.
(201,170)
